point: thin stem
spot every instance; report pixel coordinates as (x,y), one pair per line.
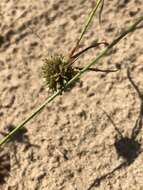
(99,70)
(105,51)
(34,113)
(75,57)
(99,56)
(89,19)
(112,122)
(94,45)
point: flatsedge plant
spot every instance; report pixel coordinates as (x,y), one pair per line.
(103,53)
(58,69)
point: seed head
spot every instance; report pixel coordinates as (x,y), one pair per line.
(57,72)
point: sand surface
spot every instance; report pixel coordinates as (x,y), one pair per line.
(71,144)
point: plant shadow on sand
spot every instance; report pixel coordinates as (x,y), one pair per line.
(5,166)
(20,137)
(126,147)
(5,153)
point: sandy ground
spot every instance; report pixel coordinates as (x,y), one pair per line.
(71,144)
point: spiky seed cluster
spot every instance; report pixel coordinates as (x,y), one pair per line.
(57,72)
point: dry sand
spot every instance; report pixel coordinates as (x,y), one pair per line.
(71,143)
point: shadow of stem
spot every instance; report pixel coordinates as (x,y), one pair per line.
(126,147)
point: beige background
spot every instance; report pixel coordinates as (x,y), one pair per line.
(73,124)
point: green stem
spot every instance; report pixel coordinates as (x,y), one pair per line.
(89,19)
(99,56)
(105,51)
(34,113)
